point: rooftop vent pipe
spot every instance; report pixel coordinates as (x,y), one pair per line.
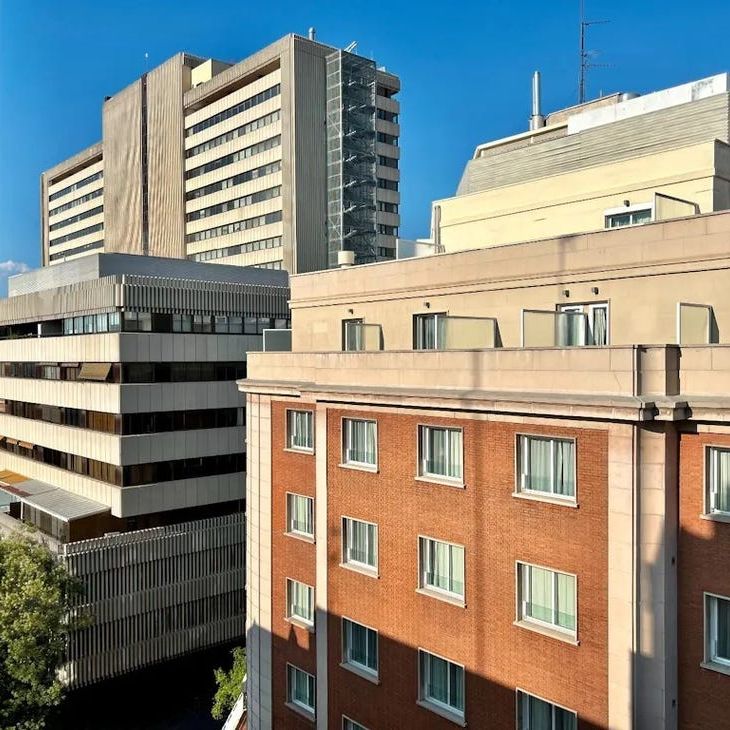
(345,259)
(312,33)
(537,120)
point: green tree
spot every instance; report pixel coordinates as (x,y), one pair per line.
(36,593)
(230,684)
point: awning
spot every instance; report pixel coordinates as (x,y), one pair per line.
(11,442)
(95,371)
(57,502)
(25,444)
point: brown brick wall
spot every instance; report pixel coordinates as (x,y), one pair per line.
(704,550)
(290,558)
(496,529)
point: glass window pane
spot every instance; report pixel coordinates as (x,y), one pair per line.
(540,605)
(566,601)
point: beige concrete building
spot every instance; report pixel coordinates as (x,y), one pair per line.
(122,443)
(492,488)
(616,161)
(278,161)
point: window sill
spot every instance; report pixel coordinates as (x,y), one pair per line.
(715,517)
(445,597)
(716,667)
(360,467)
(442,712)
(546,498)
(303,538)
(307,714)
(369,572)
(546,631)
(300,623)
(364,673)
(295,450)
(445,481)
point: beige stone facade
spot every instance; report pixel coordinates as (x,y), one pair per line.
(218,162)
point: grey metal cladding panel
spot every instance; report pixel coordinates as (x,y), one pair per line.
(122,127)
(310,163)
(679,126)
(165,159)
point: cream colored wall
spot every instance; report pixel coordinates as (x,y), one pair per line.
(642,272)
(575,202)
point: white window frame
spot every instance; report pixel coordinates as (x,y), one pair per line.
(522,458)
(624,209)
(290,530)
(422,447)
(588,309)
(347,438)
(347,541)
(290,615)
(350,663)
(290,434)
(354,724)
(360,340)
(712,661)
(308,710)
(553,628)
(417,318)
(434,704)
(520,693)
(711,481)
(422,572)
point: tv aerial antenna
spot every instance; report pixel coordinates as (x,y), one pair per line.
(586,56)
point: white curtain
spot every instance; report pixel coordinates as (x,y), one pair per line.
(456,584)
(722,481)
(723,629)
(539,591)
(600,326)
(300,429)
(565,468)
(361,441)
(442,452)
(538,464)
(437,679)
(300,514)
(565,608)
(300,603)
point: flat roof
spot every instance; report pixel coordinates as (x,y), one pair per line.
(98,265)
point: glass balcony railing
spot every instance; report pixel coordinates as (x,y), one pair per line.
(448,332)
(362,337)
(563,329)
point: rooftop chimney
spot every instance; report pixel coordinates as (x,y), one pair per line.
(312,33)
(537,120)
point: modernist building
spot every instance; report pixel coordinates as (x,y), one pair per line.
(122,441)
(278,161)
(490,489)
(615,161)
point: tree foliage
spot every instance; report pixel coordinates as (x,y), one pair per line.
(35,597)
(230,684)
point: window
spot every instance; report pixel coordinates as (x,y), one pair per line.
(441,452)
(300,515)
(547,466)
(441,566)
(360,440)
(348,724)
(536,714)
(717,627)
(299,602)
(429,331)
(300,690)
(717,479)
(583,324)
(547,598)
(300,430)
(360,646)
(352,335)
(628,218)
(360,544)
(441,683)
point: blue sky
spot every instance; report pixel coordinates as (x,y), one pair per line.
(465,68)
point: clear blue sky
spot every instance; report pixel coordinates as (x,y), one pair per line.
(465,69)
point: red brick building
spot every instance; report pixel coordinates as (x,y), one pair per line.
(460,514)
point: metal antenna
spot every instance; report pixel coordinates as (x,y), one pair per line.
(585,55)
